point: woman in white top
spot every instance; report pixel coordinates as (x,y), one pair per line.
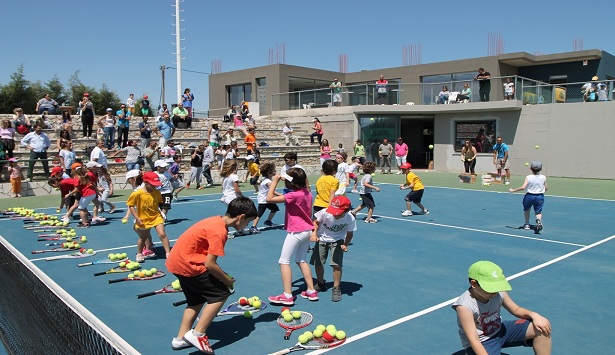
(67,156)
(7,134)
(108,123)
(536,185)
(214,135)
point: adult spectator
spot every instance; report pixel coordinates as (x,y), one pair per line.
(336,92)
(98,154)
(86,108)
(38,143)
(245,110)
(108,123)
(151,155)
(443,95)
(21,121)
(232,111)
(250,121)
(63,137)
(187,99)
(325,151)
(484,84)
(180,114)
(359,151)
(165,130)
(145,132)
(213,134)
(509,90)
(500,159)
(229,138)
(384,152)
(67,122)
(468,156)
(130,103)
(133,155)
(162,111)
(318,132)
(382,89)
(7,136)
(196,166)
(602,92)
(46,104)
(208,161)
(123,126)
(478,141)
(401,152)
(589,90)
(67,156)
(168,153)
(465,94)
(238,123)
(289,134)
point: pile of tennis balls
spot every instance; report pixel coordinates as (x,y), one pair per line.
(253,302)
(117,256)
(68,233)
(289,315)
(51,221)
(139,273)
(328,334)
(26,212)
(175,284)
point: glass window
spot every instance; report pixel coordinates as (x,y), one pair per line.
(239,93)
(374,129)
(480,133)
(433,84)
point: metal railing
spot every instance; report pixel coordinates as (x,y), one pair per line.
(530,91)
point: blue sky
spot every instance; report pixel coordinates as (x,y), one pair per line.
(123,43)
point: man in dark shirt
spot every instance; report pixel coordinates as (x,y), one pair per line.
(484,84)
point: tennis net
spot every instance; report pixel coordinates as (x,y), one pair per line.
(37,316)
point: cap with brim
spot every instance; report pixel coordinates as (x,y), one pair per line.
(56,170)
(339,205)
(489,276)
(536,165)
(160,163)
(131,174)
(215,122)
(152,178)
(406,166)
(109,110)
(250,157)
(92,164)
(75,166)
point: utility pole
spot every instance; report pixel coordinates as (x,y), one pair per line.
(178,50)
(162,69)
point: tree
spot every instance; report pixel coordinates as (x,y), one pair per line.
(17,93)
(105,98)
(76,89)
(55,88)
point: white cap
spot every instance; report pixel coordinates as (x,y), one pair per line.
(109,109)
(132,173)
(161,163)
(250,157)
(92,164)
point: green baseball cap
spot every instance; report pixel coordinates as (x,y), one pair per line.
(489,276)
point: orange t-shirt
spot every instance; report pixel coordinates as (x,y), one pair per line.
(188,256)
(250,141)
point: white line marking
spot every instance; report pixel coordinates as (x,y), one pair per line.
(449,302)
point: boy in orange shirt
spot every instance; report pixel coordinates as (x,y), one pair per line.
(250,141)
(193,261)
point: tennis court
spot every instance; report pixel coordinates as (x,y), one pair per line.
(400,275)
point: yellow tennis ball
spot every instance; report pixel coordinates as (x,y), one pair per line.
(296,314)
(122,264)
(111,256)
(76,245)
(255,298)
(176,286)
(124,220)
(431,146)
(287,317)
(309,334)
(154,270)
(527,164)
(373,174)
(250,301)
(331,329)
(321,327)
(90,251)
(317,333)
(69,239)
(148,273)
(247,314)
(537,147)
(340,334)
(84,239)
(303,339)
(257,304)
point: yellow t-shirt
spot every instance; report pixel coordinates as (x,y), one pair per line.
(324,185)
(411,178)
(253,169)
(147,207)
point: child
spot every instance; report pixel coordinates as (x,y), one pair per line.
(100,132)
(92,173)
(88,193)
(333,231)
(326,185)
(230,184)
(176,182)
(220,157)
(298,222)
(135,180)
(352,173)
(166,190)
(250,141)
(105,186)
(253,172)
(342,173)
(481,328)
(268,170)
(414,183)
(193,261)
(340,148)
(366,192)
(144,206)
(65,187)
(15,177)
(536,185)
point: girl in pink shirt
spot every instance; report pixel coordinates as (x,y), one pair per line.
(299,225)
(15,177)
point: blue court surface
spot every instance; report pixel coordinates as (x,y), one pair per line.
(400,275)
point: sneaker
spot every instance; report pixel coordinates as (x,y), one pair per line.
(399,172)
(200,188)
(254,230)
(208,185)
(336,294)
(538,225)
(242,232)
(320,287)
(65,219)
(179,344)
(147,253)
(281,299)
(526,226)
(406,213)
(310,296)
(99,219)
(112,209)
(187,185)
(507,183)
(425,211)
(268,223)
(371,220)
(200,342)
(175,197)
(139,258)
(354,191)
(81,225)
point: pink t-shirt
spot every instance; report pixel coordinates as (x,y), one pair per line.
(326,152)
(7,133)
(238,121)
(401,149)
(298,216)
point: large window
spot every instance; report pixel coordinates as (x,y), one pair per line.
(239,93)
(480,133)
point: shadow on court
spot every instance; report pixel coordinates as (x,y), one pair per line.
(236,328)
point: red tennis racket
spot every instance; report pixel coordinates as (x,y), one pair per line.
(236,308)
(167,289)
(53,250)
(103,261)
(73,255)
(298,323)
(314,344)
(157,275)
(115,270)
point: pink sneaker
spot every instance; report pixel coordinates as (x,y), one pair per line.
(147,253)
(281,299)
(310,296)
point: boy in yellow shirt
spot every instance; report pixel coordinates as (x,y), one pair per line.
(414,183)
(253,172)
(326,185)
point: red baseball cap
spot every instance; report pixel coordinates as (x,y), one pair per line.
(152,178)
(339,205)
(56,170)
(406,166)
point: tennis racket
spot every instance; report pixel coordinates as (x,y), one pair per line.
(167,289)
(74,255)
(305,320)
(103,261)
(157,275)
(53,250)
(42,227)
(115,270)
(314,344)
(235,308)
(49,237)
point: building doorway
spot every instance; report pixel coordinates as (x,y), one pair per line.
(417,133)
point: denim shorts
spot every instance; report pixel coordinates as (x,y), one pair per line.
(511,334)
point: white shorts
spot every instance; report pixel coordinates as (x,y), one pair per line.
(337,98)
(85,201)
(400,160)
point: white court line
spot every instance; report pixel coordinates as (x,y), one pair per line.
(480,230)
(449,302)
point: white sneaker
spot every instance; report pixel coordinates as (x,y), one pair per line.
(179,344)
(199,342)
(399,172)
(406,213)
(507,183)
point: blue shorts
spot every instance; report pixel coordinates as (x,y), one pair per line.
(536,200)
(510,335)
